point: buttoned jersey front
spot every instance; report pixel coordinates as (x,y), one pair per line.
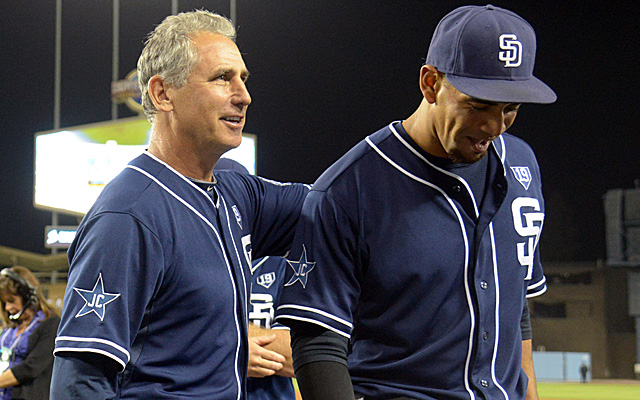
(160,273)
(426,282)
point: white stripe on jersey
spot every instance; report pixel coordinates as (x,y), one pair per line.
(244,282)
(224,253)
(494,257)
(315,322)
(414,151)
(466,257)
(258,264)
(318,311)
(95,340)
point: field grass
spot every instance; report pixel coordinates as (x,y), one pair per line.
(589,391)
(576,391)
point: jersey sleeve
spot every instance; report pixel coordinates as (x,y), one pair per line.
(83,376)
(278,209)
(538,283)
(322,281)
(116,264)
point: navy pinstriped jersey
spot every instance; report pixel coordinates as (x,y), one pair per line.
(159,277)
(396,254)
(266,285)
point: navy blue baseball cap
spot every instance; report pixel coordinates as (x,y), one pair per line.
(489,53)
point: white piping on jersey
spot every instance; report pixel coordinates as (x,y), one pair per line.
(541,282)
(315,322)
(534,286)
(255,267)
(536,294)
(206,221)
(95,340)
(92,350)
(244,280)
(179,175)
(503,155)
(317,311)
(414,151)
(280,328)
(494,258)
(466,250)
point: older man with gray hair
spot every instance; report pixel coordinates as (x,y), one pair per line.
(156,302)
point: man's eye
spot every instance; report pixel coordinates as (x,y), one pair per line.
(479,107)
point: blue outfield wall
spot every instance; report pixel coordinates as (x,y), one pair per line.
(560,366)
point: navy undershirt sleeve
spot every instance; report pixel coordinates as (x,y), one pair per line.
(320,362)
(312,343)
(525,323)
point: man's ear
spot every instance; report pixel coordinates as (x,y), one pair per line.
(158,92)
(428,79)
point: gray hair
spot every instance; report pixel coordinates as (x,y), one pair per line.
(169,50)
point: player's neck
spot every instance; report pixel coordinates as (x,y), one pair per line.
(422,130)
(188,159)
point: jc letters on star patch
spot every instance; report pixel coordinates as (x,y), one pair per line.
(95,299)
(301,269)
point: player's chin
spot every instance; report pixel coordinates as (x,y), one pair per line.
(229,139)
(468,157)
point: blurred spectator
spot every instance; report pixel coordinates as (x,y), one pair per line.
(26,359)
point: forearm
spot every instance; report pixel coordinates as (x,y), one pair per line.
(527,366)
(8,379)
(281,345)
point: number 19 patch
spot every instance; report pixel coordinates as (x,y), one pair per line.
(523,175)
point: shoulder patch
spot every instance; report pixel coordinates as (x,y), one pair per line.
(523,175)
(266,280)
(95,299)
(301,269)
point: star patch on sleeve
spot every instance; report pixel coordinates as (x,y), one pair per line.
(96,299)
(301,269)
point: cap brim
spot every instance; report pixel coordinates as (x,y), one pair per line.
(532,90)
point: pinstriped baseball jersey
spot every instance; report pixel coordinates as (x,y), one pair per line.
(428,284)
(159,277)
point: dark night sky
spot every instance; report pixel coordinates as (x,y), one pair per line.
(325,74)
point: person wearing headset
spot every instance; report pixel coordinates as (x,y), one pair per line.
(26,357)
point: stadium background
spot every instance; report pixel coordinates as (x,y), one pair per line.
(327,73)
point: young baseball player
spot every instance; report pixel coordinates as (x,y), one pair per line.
(156,301)
(416,251)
